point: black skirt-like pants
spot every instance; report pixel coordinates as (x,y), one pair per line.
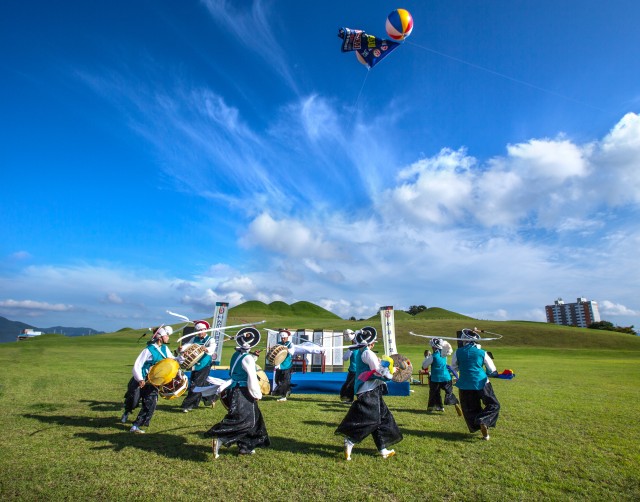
(479,407)
(369,415)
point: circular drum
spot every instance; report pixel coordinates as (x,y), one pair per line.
(191,355)
(175,388)
(277,354)
(263,380)
(163,372)
(403,368)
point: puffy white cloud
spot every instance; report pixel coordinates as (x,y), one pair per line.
(609,308)
(549,183)
(287,237)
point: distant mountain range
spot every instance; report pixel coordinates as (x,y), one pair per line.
(9,330)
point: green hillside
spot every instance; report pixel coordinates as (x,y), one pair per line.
(438,313)
(254,310)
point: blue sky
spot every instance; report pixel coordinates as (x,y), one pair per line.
(161,155)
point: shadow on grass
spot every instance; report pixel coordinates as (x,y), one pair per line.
(103,405)
(170,445)
(291,445)
(445,435)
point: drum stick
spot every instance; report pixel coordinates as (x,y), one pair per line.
(222,328)
(180,316)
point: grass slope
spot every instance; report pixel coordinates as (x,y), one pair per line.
(568,428)
(439,313)
(253,310)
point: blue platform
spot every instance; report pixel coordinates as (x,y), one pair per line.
(320,383)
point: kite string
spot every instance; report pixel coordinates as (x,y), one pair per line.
(355,105)
(507,77)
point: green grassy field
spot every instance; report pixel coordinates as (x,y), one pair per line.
(568,428)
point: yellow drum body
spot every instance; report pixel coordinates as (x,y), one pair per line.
(163,372)
(263,380)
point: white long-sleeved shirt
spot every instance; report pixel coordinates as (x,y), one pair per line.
(147,356)
(371,359)
(249,365)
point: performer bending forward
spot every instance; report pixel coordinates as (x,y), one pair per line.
(243,424)
(139,388)
(473,383)
(369,413)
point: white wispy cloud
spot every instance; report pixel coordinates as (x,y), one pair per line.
(34,306)
(250,25)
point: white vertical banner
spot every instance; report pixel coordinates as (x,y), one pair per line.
(219,321)
(388,330)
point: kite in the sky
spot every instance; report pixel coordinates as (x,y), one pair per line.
(369,49)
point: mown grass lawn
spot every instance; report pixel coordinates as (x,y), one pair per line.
(568,430)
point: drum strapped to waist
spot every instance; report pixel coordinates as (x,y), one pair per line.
(166,376)
(403,366)
(191,355)
(277,355)
(263,381)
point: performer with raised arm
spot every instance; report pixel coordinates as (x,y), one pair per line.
(243,424)
(347,392)
(283,370)
(480,406)
(200,370)
(369,413)
(440,378)
(139,389)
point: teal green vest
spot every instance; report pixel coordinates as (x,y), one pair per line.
(288,362)
(158,355)
(352,362)
(439,372)
(472,375)
(204,360)
(239,374)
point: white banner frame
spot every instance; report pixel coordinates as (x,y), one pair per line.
(219,321)
(387,319)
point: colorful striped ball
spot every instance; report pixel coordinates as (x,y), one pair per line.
(399,24)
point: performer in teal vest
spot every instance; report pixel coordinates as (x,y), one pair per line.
(347,391)
(440,378)
(200,370)
(369,413)
(243,424)
(480,406)
(283,371)
(139,390)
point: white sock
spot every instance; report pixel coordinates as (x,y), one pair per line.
(384,451)
(348,446)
